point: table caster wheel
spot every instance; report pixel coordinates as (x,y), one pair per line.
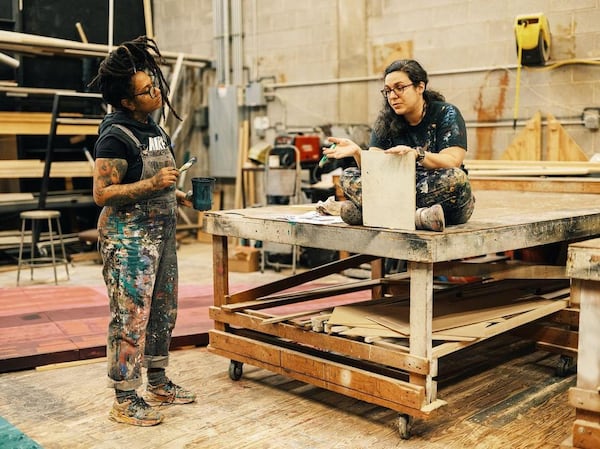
(565,366)
(235,370)
(404,426)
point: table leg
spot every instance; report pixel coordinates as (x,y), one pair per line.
(220,273)
(585,397)
(421,317)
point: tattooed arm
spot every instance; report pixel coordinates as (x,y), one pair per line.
(108,190)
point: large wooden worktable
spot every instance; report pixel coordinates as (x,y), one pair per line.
(502,221)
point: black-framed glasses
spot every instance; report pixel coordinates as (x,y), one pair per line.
(398,90)
(151,92)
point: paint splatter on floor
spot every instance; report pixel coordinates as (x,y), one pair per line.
(13,438)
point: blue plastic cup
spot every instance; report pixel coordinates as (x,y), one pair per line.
(202,193)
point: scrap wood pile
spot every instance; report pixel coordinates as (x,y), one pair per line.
(465,312)
(477,312)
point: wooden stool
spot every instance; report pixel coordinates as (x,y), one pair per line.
(38,261)
(89,238)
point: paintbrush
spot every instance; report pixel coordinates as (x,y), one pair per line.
(188,164)
(323,160)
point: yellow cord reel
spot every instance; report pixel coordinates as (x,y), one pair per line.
(532,33)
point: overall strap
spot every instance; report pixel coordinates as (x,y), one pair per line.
(130,134)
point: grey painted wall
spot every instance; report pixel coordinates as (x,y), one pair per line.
(310,53)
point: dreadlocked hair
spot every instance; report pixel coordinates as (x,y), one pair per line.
(115,71)
(388,123)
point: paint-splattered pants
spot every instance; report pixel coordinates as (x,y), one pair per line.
(449,187)
(138,248)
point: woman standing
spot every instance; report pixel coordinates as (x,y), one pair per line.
(135,183)
(414,118)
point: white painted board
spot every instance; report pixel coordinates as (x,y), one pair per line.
(388,190)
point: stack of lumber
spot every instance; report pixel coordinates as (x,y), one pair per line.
(482,168)
(33,168)
(38,123)
(534,176)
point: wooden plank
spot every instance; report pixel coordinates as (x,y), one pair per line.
(300,278)
(489,164)
(586,435)
(38,123)
(395,175)
(532,171)
(569,316)
(583,260)
(533,184)
(326,342)
(588,370)
(585,399)
(292,297)
(29,168)
(354,382)
(527,145)
(497,225)
(561,146)
(548,334)
(35,44)
(9,197)
(220,261)
(290,316)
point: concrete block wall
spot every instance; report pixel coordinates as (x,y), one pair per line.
(308,52)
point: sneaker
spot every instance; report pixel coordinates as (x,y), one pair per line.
(430,218)
(136,412)
(170,393)
(351,213)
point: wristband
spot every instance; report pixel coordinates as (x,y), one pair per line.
(420,154)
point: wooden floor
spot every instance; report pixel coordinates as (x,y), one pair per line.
(501,393)
(513,401)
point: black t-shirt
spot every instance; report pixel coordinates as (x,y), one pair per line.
(114,143)
(442,127)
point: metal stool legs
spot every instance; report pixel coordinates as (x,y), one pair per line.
(35,216)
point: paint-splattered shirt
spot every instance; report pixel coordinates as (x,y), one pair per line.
(443,126)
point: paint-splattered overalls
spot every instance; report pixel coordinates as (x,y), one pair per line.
(138,249)
(449,187)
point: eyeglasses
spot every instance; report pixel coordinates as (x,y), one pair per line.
(151,92)
(398,90)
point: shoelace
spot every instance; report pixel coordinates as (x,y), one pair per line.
(139,402)
(171,390)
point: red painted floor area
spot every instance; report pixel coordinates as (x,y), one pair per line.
(54,324)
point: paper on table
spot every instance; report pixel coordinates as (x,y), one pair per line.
(312,217)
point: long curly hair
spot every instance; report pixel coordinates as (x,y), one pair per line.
(114,78)
(388,123)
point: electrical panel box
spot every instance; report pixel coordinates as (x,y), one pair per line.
(223,124)
(255,95)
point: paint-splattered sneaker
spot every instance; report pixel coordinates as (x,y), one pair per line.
(135,411)
(169,393)
(430,218)
(351,213)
